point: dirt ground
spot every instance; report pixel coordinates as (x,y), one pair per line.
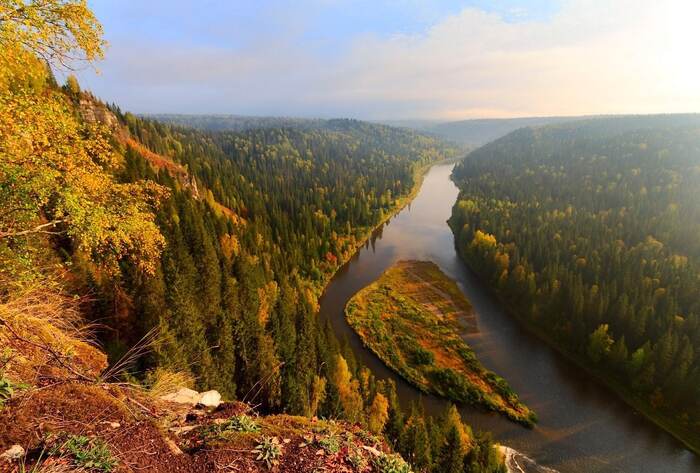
(147,435)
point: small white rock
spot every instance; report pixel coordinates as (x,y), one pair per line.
(15,452)
(210,399)
(372,450)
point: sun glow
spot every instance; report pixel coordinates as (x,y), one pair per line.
(682,30)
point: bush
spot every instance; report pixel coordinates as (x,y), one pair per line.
(357,459)
(6,390)
(421,356)
(331,444)
(269,450)
(391,464)
(241,423)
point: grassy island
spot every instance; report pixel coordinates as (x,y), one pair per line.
(412,318)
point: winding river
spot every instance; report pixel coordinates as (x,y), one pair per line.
(582,427)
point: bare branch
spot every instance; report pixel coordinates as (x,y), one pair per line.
(38,229)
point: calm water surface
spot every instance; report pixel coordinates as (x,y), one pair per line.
(582,426)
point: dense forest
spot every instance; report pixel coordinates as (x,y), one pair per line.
(234,122)
(589,231)
(279,210)
(197,253)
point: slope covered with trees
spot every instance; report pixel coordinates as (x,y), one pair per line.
(589,232)
(206,251)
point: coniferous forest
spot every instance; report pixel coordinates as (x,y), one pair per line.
(278,211)
(589,231)
(190,255)
(161,275)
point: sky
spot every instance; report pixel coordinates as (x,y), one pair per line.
(399,59)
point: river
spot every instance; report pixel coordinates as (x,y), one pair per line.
(583,427)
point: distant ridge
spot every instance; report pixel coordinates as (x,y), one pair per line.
(471,133)
(233,122)
(468,133)
(479,131)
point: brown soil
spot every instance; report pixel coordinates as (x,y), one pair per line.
(148,435)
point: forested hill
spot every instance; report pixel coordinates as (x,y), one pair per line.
(312,194)
(233,122)
(198,255)
(477,132)
(195,259)
(589,230)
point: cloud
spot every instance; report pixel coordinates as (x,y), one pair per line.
(592,56)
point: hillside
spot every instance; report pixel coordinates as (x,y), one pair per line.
(63,411)
(234,122)
(477,132)
(193,258)
(465,133)
(588,231)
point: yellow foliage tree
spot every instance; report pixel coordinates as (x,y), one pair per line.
(348,390)
(378,414)
(58,31)
(57,173)
(484,241)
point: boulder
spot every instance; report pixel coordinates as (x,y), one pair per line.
(210,399)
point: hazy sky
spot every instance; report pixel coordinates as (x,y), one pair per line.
(392,59)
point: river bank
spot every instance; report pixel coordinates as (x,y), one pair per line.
(582,427)
(399,204)
(690,439)
(516,462)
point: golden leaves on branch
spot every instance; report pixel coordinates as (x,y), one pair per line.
(61,32)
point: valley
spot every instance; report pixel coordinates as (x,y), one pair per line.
(313,246)
(582,425)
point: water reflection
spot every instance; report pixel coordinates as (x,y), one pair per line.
(582,428)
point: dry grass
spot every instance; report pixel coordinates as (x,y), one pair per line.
(40,329)
(162,382)
(50,465)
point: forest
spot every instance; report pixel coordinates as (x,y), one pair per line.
(245,279)
(588,231)
(192,252)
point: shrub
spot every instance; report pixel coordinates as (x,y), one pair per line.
(241,423)
(268,450)
(357,459)
(391,464)
(331,444)
(368,438)
(6,390)
(421,356)
(237,423)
